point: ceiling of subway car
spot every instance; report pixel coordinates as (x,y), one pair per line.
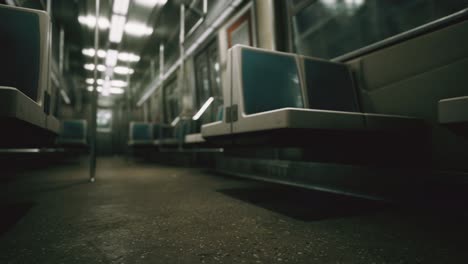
(148,23)
(142,19)
(159,20)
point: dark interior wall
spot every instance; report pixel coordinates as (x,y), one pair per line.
(104,143)
(411,77)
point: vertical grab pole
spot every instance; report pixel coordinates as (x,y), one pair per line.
(161,99)
(62,49)
(47,92)
(94,97)
(181,78)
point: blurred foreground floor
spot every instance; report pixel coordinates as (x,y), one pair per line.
(145,213)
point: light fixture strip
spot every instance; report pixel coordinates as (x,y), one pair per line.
(121,7)
(111,58)
(117,28)
(203,108)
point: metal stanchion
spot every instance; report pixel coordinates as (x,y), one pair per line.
(94,97)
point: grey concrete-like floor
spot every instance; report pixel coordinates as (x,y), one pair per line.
(145,213)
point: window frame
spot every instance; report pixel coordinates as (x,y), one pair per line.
(292,10)
(168,97)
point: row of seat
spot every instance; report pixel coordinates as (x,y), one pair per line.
(25,78)
(73,133)
(151,134)
(287,99)
(272,91)
(453,113)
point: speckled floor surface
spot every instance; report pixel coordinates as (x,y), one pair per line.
(145,213)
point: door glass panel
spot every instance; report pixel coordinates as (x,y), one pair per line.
(172,99)
(330,28)
(208,77)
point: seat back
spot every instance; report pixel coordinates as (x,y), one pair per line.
(161,131)
(24,50)
(269,81)
(329,85)
(141,131)
(74,130)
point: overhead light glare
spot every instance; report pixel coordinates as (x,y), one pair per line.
(116,90)
(121,7)
(128,57)
(117,28)
(90,52)
(111,58)
(123,70)
(91,81)
(91,88)
(151,3)
(203,108)
(90,67)
(101,53)
(175,121)
(101,68)
(118,83)
(138,29)
(90,22)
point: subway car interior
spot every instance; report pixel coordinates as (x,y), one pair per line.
(233,131)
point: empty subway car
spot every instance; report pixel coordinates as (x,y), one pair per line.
(361,97)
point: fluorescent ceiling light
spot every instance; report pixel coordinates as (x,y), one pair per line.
(101,68)
(138,29)
(123,70)
(90,53)
(175,121)
(355,3)
(128,57)
(151,3)
(118,83)
(91,88)
(90,67)
(329,3)
(122,56)
(101,53)
(91,81)
(203,108)
(106,87)
(117,27)
(90,21)
(112,90)
(116,90)
(121,7)
(111,59)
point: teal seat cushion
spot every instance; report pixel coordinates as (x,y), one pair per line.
(269,81)
(141,132)
(162,131)
(73,129)
(20,49)
(329,86)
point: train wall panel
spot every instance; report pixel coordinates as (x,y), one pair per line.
(411,77)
